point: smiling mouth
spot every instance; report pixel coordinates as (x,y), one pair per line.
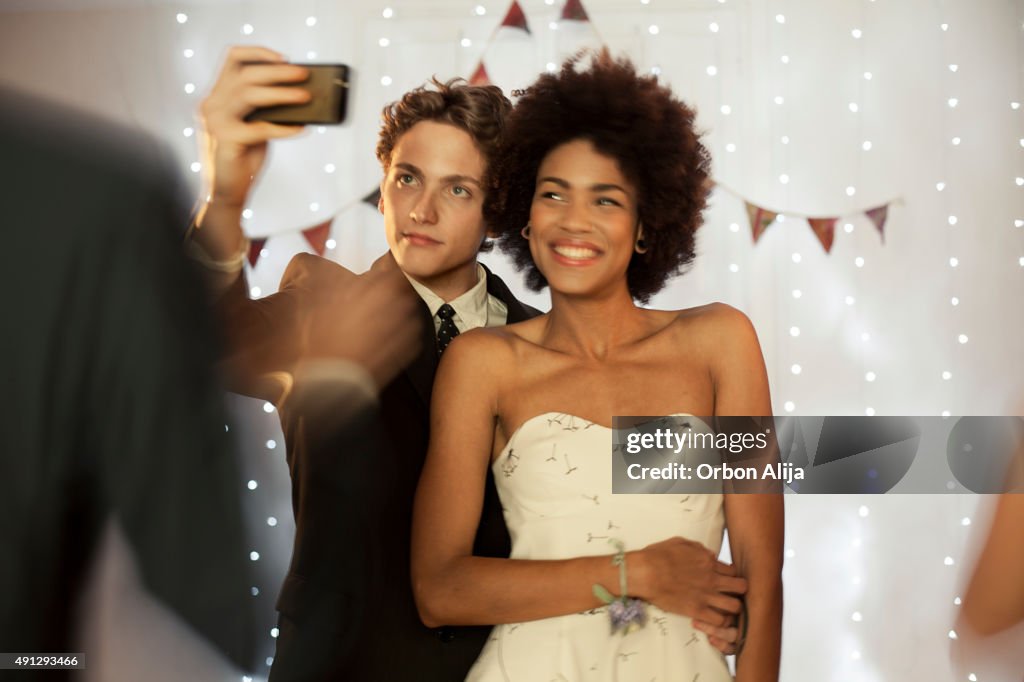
(576,253)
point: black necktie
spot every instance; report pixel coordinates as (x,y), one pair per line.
(447,331)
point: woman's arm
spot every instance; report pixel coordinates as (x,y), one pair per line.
(454,587)
(754,521)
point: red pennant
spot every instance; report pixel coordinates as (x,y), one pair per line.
(317,236)
(878,216)
(480,76)
(255,250)
(760,219)
(573,11)
(825,229)
(373,197)
(515,17)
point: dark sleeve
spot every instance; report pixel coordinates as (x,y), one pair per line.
(165,463)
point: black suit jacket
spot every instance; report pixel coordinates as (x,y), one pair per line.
(347,608)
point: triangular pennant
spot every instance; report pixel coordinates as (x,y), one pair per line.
(760,219)
(317,236)
(255,250)
(825,230)
(573,11)
(373,198)
(878,216)
(515,17)
(480,76)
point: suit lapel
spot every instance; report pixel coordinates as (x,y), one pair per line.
(517,311)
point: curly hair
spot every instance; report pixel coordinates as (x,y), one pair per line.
(480,110)
(628,117)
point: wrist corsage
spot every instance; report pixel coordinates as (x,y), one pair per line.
(627,613)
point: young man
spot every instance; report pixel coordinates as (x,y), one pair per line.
(347,610)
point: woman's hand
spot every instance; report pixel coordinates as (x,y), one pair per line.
(681,576)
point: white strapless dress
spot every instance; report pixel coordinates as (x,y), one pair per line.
(554,478)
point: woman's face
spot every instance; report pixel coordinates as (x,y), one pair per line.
(583,220)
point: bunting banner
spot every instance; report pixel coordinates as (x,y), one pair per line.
(373,198)
(317,236)
(480,76)
(760,219)
(255,250)
(515,18)
(878,216)
(507,60)
(825,230)
(573,11)
(575,31)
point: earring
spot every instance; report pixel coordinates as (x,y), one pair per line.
(640,246)
(525,231)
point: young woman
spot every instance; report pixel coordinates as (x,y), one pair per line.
(597,193)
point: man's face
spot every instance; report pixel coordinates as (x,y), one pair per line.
(432,199)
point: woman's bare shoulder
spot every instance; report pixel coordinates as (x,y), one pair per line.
(496,347)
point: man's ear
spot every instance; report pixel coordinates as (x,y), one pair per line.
(380,198)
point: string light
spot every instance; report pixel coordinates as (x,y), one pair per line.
(314,206)
(181,17)
(466,42)
(268,407)
(247,29)
(712,70)
(385,80)
(271,444)
(247,213)
(271,521)
(713,27)
(311,21)
(480,10)
(329,168)
(387,13)
(726,110)
(330,243)
(188,53)
(653,29)
(252,485)
(195,166)
(190,88)
(383,42)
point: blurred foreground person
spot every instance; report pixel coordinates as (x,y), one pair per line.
(990,625)
(122,534)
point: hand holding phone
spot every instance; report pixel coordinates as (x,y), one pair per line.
(328,84)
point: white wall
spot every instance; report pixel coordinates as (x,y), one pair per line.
(126,62)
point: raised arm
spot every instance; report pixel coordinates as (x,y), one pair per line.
(754,521)
(453,587)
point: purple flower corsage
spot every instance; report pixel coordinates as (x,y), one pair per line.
(627,613)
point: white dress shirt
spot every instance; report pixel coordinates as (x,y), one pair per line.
(475,308)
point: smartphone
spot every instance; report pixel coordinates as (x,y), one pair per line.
(328,84)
